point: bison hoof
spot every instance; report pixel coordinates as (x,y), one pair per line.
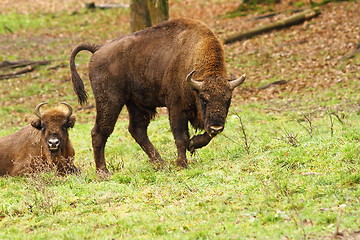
(103,172)
(191,147)
(182,163)
(198,141)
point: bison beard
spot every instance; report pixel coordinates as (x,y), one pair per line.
(154,68)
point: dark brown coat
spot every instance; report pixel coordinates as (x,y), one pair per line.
(154,68)
(42,144)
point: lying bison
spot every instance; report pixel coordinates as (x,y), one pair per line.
(178,64)
(43,143)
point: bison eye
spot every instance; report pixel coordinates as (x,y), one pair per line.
(64,127)
(204,100)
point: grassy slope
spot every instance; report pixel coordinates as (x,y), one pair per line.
(290,184)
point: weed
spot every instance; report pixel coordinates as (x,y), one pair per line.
(245,137)
(309,129)
(290,138)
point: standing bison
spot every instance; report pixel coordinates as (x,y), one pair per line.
(43,143)
(178,64)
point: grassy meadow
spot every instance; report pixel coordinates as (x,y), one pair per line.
(285,167)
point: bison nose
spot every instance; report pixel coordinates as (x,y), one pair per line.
(216,129)
(53,143)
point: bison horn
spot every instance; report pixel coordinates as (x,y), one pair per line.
(195,84)
(37,109)
(236,82)
(70,109)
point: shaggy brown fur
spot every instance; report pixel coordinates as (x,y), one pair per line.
(42,144)
(149,69)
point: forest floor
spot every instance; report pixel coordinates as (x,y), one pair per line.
(285,167)
(308,57)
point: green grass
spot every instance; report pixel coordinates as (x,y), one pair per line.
(275,190)
(14,22)
(290,182)
(83,20)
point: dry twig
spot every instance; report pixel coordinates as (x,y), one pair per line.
(290,138)
(245,137)
(15,74)
(310,128)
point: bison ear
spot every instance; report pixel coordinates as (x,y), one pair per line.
(36,123)
(71,121)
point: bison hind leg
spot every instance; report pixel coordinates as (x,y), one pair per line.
(106,117)
(138,124)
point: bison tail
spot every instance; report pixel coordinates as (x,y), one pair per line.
(78,83)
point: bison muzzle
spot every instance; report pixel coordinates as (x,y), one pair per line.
(41,145)
(178,64)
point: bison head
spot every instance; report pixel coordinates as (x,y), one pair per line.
(54,125)
(215,97)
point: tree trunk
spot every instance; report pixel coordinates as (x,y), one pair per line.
(159,11)
(139,15)
(145,13)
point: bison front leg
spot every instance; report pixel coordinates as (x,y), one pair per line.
(179,128)
(199,141)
